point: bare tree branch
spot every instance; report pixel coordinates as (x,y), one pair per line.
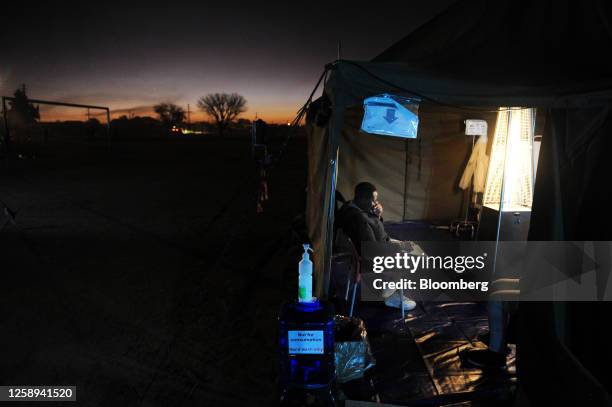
(222,107)
(169,113)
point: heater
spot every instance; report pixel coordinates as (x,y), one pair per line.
(509,188)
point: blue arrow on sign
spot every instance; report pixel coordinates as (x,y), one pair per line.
(390,117)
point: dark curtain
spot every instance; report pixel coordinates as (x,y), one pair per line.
(565,351)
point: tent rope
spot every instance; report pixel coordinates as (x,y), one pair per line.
(270,162)
(300,115)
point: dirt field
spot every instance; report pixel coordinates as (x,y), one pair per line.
(144,276)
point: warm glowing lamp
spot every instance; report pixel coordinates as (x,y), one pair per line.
(510,174)
(509,188)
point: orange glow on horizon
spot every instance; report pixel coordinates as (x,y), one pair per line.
(273,115)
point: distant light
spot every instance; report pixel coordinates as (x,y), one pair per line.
(288,124)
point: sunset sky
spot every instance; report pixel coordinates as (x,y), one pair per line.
(130,57)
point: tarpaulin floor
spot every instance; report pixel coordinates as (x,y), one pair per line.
(419,359)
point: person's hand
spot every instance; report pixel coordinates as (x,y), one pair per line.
(377,208)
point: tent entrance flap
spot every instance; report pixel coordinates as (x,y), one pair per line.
(417,179)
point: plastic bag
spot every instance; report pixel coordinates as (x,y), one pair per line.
(353,353)
(391,115)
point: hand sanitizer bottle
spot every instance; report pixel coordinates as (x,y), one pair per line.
(305,279)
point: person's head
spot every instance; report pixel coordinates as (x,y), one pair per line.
(365,195)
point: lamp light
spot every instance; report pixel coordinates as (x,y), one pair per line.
(509,186)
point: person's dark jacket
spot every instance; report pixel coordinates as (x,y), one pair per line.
(361,226)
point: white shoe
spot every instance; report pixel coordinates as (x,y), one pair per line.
(394,302)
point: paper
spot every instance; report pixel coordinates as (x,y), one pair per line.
(475,127)
(305,342)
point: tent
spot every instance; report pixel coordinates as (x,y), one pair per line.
(477,56)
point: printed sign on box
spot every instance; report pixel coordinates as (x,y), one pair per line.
(305,342)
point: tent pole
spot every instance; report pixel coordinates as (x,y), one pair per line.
(329,227)
(406,162)
(333,154)
(503,191)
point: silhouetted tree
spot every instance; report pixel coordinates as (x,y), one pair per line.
(21,111)
(169,113)
(223,108)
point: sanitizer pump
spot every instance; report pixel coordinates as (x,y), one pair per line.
(306,345)
(305,279)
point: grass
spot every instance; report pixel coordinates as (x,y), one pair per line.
(144,276)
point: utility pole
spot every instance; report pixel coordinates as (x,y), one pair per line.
(188,114)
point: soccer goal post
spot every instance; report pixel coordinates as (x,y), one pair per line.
(7,129)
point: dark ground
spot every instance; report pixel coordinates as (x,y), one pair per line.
(144,277)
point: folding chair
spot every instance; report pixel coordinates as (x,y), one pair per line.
(354,279)
(346,254)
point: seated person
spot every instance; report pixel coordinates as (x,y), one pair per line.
(361,220)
